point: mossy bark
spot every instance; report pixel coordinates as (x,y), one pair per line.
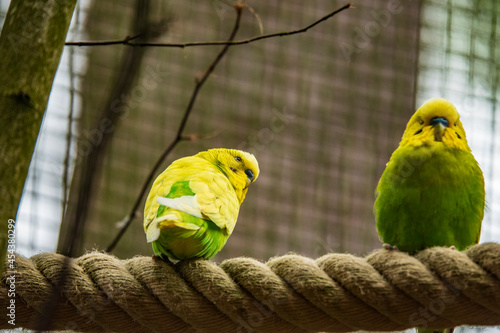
(31,44)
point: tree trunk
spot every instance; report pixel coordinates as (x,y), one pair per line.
(31,44)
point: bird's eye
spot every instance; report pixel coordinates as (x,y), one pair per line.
(421,122)
(455,124)
(238,159)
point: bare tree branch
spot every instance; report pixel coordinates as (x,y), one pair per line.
(178,137)
(72,229)
(129,40)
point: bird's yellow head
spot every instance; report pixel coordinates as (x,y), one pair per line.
(435,122)
(241,168)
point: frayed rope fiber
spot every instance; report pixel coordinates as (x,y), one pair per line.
(385,291)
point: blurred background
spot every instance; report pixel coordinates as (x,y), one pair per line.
(322,111)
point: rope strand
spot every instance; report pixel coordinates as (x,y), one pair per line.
(385,291)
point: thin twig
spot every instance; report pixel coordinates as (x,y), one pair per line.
(257,17)
(125,41)
(129,40)
(178,136)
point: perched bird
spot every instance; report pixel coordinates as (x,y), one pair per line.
(432,190)
(193,205)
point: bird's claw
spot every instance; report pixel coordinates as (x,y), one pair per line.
(162,258)
(389,247)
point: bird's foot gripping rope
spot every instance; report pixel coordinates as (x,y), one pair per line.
(385,291)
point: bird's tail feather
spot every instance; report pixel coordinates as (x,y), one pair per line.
(171,221)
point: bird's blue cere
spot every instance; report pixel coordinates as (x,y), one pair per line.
(439,120)
(249,174)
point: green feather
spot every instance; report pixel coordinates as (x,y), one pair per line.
(194,237)
(436,200)
(182,243)
(193,205)
(432,190)
(177,190)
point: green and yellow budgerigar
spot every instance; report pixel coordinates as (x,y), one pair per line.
(193,205)
(432,190)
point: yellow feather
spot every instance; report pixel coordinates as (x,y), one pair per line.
(449,136)
(218,181)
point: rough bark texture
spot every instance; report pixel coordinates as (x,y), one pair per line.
(31,44)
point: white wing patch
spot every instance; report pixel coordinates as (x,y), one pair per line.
(187,204)
(152,233)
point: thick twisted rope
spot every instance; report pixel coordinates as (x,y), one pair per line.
(385,291)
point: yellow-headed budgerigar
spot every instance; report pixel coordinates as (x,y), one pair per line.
(193,205)
(432,190)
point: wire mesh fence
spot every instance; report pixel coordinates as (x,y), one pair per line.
(321,110)
(459,61)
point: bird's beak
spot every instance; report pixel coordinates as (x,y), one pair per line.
(250,176)
(439,124)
